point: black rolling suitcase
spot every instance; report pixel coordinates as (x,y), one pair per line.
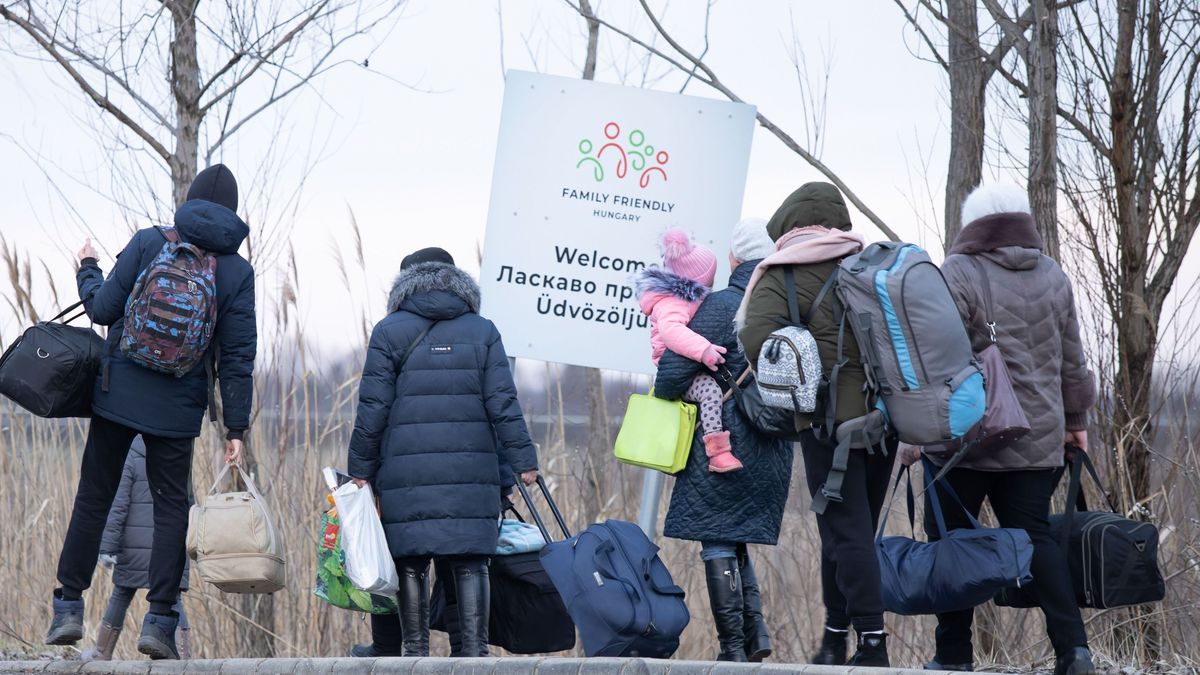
(527,613)
(1113,559)
(51,369)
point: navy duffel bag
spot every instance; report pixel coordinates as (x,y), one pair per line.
(962,569)
(618,591)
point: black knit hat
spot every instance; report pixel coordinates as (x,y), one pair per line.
(432,254)
(215,184)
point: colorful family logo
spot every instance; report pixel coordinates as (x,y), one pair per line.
(637,155)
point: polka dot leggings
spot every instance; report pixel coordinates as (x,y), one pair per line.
(706,393)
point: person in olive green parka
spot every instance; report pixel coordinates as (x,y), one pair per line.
(812,204)
(850,580)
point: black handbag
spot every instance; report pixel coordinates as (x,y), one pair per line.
(51,369)
(767,420)
(527,613)
(1113,559)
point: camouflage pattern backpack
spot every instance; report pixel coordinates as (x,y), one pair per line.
(172,309)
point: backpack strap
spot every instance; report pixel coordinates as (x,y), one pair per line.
(829,426)
(793,299)
(860,433)
(789,280)
(170,234)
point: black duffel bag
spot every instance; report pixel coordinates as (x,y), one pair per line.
(527,613)
(51,369)
(767,420)
(1113,559)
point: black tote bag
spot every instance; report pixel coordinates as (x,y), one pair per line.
(51,369)
(963,569)
(527,613)
(1113,559)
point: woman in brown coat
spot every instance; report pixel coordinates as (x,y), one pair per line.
(1036,329)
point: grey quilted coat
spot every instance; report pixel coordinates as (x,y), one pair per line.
(744,506)
(129,534)
(1037,331)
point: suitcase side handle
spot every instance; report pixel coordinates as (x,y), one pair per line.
(537,517)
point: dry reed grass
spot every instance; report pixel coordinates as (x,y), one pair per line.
(302,424)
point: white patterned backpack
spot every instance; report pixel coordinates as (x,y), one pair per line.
(789,366)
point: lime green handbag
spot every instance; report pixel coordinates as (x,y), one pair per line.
(656,433)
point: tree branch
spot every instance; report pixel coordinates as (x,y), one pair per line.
(707,76)
(262,59)
(99,99)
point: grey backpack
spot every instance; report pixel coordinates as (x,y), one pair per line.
(789,366)
(918,359)
(923,381)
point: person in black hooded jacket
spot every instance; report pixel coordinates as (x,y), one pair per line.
(437,418)
(167,411)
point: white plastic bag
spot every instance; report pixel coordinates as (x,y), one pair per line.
(369,563)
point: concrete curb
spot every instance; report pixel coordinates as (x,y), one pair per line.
(439,666)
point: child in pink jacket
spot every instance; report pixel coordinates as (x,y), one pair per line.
(670,295)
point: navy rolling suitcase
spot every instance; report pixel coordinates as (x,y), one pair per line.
(618,591)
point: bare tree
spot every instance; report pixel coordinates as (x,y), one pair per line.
(970,67)
(179,83)
(1041,61)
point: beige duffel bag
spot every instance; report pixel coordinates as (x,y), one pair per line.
(233,539)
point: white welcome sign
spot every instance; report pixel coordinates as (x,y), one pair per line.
(587,177)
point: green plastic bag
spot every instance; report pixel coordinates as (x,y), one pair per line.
(656,433)
(333,586)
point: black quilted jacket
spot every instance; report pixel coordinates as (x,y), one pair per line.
(741,507)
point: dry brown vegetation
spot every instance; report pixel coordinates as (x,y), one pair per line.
(303,423)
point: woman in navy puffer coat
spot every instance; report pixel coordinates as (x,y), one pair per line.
(437,417)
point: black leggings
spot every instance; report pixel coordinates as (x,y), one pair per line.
(168,466)
(849,566)
(1020,499)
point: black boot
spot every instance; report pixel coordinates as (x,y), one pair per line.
(473,587)
(386,638)
(872,651)
(1078,661)
(834,645)
(158,636)
(414,606)
(754,627)
(728,607)
(66,627)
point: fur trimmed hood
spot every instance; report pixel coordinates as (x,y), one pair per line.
(433,279)
(665,282)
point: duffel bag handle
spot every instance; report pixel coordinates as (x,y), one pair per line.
(250,486)
(68,310)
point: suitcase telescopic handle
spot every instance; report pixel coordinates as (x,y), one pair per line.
(537,517)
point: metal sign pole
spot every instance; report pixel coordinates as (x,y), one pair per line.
(652,487)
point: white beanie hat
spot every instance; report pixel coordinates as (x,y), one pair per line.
(750,240)
(992,198)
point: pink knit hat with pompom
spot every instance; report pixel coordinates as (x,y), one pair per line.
(687,259)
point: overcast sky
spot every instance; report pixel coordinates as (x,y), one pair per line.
(415,164)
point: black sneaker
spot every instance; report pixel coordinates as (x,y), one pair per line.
(872,651)
(66,628)
(834,645)
(1078,661)
(955,667)
(158,636)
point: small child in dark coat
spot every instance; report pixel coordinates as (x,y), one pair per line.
(125,548)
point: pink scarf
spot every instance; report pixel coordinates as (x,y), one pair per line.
(802,246)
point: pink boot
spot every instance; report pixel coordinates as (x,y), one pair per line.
(720,455)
